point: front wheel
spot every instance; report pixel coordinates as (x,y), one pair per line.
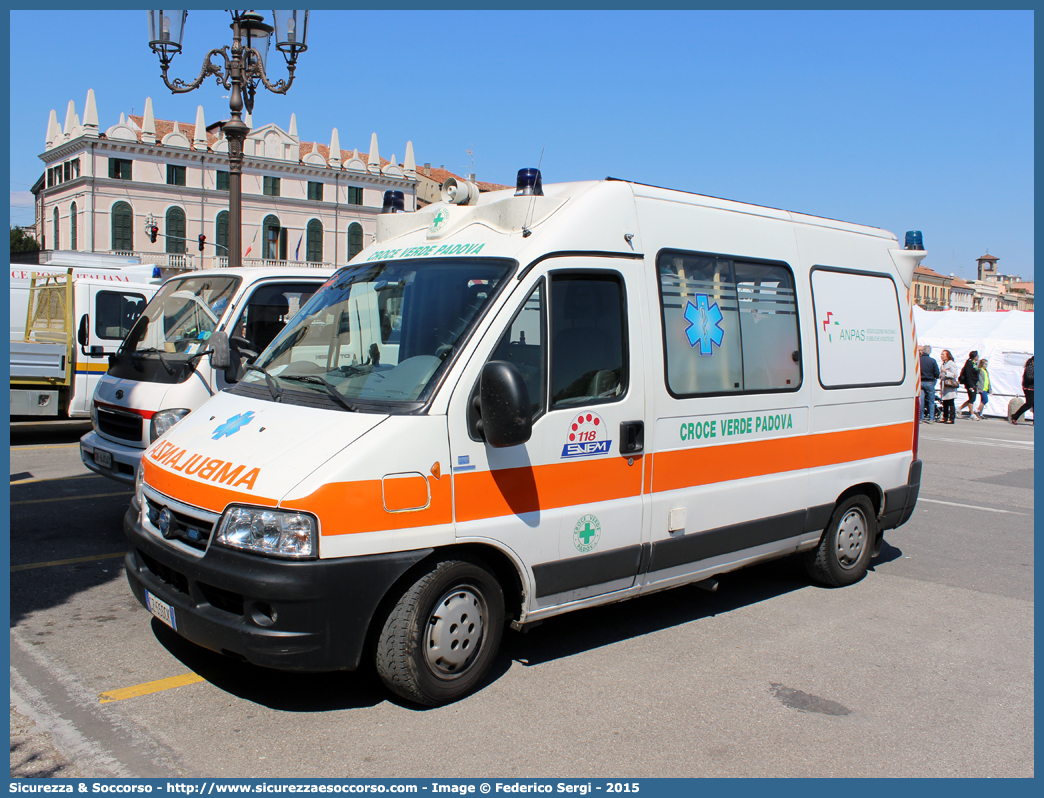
(440,638)
(844,553)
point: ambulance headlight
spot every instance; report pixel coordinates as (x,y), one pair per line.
(277,533)
(164,420)
(139,482)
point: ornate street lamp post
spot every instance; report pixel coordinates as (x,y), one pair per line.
(242,71)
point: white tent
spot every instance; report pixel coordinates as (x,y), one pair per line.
(1004,339)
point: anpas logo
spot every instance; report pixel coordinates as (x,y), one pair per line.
(587,436)
(704,324)
(826,326)
(843,335)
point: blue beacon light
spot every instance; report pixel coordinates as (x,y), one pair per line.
(914,240)
(394,202)
(528,183)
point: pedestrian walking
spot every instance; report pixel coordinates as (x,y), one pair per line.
(929,376)
(1027,388)
(970,380)
(948,394)
(984,388)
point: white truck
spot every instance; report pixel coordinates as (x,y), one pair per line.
(195,338)
(67,317)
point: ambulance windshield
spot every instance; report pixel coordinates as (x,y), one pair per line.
(381,332)
(181,317)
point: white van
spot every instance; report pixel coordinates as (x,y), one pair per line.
(571,395)
(194,339)
(67,317)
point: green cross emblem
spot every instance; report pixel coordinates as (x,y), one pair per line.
(586,533)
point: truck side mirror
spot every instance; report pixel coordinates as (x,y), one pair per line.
(82,333)
(220,358)
(507,415)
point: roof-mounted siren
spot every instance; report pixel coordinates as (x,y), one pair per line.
(528,183)
(914,240)
(394,202)
(459,192)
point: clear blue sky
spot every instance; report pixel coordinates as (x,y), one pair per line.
(901,120)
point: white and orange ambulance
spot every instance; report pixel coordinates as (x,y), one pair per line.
(525,403)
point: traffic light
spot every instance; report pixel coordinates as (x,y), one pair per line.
(153,232)
(202,241)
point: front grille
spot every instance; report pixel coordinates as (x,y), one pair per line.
(124,426)
(187,529)
(222,599)
(175,579)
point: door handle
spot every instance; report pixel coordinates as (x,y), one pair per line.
(632,437)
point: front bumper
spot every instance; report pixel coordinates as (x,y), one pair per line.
(900,502)
(293,615)
(125,459)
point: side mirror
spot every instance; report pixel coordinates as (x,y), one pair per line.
(220,358)
(82,333)
(507,416)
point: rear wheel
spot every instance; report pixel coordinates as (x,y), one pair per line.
(843,555)
(440,638)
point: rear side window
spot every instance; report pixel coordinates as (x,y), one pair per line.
(729,325)
(858,329)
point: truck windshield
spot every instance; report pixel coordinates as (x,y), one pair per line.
(381,332)
(182,316)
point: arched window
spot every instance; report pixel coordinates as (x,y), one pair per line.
(122,227)
(72,226)
(176,231)
(221,235)
(274,244)
(57,238)
(355,239)
(314,250)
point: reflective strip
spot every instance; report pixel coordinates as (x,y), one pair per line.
(351,507)
(145,414)
(92,368)
(512,491)
(688,468)
(354,507)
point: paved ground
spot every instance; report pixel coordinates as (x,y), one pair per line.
(925,668)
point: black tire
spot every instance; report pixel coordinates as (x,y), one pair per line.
(844,552)
(440,639)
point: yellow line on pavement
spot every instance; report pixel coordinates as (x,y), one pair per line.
(149,687)
(54,479)
(33,565)
(70,498)
(49,446)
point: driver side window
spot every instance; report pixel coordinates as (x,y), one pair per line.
(522,345)
(588,355)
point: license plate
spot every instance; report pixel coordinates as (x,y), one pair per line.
(161,610)
(103,458)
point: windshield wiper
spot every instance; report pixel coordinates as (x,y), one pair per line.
(154,351)
(320,380)
(273,386)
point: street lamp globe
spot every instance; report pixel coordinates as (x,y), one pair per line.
(256,34)
(291,32)
(165,31)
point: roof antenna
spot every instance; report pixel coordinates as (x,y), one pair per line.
(526,232)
